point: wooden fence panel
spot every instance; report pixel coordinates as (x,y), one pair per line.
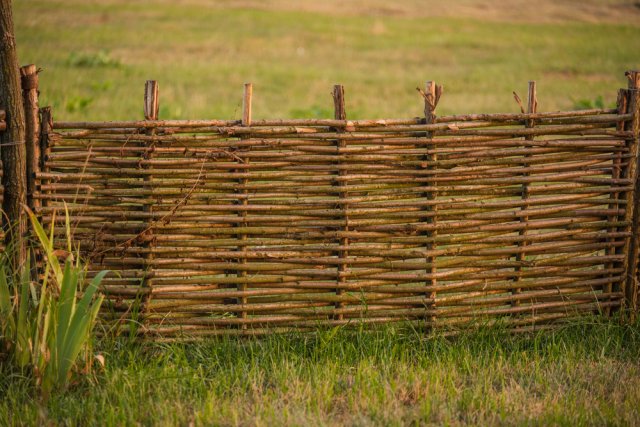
(257,226)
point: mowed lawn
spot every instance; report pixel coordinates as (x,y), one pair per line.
(96,56)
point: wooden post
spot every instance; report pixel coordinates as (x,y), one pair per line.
(151,104)
(621,108)
(29,82)
(46,126)
(431,95)
(340,113)
(532,107)
(246,104)
(29,77)
(632,214)
(13,153)
(44,150)
(151,107)
(243,202)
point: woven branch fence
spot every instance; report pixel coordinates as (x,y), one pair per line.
(257,226)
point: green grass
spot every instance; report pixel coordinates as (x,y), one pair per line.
(584,374)
(96,57)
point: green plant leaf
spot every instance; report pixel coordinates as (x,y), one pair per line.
(80,326)
(7,320)
(23,326)
(47,245)
(5,294)
(51,327)
(66,307)
(92,288)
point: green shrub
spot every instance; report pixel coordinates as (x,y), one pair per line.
(46,324)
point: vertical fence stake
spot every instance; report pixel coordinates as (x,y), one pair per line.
(532,107)
(243,202)
(44,150)
(340,113)
(630,287)
(151,108)
(431,97)
(246,104)
(151,102)
(621,108)
(46,127)
(29,80)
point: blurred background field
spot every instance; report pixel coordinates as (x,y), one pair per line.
(96,55)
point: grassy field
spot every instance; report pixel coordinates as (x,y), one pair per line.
(585,374)
(96,55)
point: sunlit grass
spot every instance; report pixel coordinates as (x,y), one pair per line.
(202,55)
(584,374)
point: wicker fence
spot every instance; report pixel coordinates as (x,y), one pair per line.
(252,226)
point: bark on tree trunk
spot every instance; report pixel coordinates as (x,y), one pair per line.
(13,150)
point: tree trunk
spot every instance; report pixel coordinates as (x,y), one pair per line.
(13,151)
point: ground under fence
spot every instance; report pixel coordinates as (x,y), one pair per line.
(246,227)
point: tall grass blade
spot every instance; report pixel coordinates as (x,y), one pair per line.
(80,327)
(47,245)
(66,307)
